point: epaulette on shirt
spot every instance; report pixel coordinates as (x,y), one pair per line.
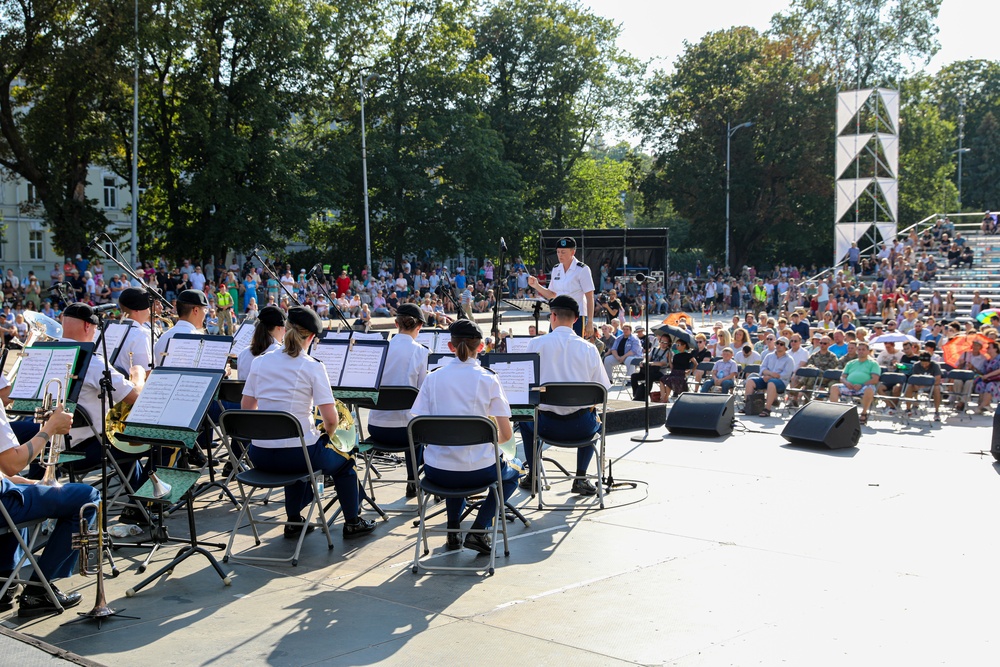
(580,264)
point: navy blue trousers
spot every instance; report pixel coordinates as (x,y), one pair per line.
(580,427)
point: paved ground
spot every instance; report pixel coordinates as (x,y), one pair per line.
(732,551)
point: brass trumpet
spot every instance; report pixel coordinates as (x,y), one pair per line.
(57,444)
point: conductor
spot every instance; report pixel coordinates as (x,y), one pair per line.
(573,279)
(565,357)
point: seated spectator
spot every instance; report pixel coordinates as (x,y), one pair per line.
(659,359)
(746,355)
(988,384)
(925,367)
(723,374)
(860,378)
(967,257)
(626,349)
(681,363)
(775,373)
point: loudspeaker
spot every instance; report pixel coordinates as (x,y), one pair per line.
(995,446)
(708,415)
(833,425)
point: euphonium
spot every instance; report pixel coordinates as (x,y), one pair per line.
(346,437)
(57,444)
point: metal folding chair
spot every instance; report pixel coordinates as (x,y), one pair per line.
(34,528)
(389,398)
(456,432)
(272,425)
(965,397)
(570,395)
(809,378)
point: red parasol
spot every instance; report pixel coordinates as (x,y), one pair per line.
(954,348)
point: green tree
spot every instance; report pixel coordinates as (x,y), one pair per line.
(982,189)
(596,193)
(925,165)
(864,43)
(781,179)
(557,78)
(60,73)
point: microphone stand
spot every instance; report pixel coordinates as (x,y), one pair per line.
(645,437)
(270,272)
(496,304)
(329,297)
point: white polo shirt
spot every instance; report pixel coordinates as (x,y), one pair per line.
(405,366)
(182,327)
(138,343)
(565,357)
(7,438)
(289,384)
(463,389)
(245,359)
(575,281)
(90,394)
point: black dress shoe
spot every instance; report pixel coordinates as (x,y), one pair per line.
(583,487)
(479,542)
(454,541)
(7,601)
(358,529)
(411,490)
(134,516)
(293,532)
(527,482)
(38,603)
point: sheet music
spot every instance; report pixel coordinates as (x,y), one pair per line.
(114,334)
(170,399)
(443,339)
(443,360)
(62,360)
(333,357)
(361,368)
(31,372)
(516,377)
(241,340)
(214,355)
(182,353)
(337,335)
(517,344)
(426,338)
(368,336)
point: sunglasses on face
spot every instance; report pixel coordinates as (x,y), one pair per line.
(781,344)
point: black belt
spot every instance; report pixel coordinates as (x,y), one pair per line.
(572,415)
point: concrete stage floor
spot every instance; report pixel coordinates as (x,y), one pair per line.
(733,551)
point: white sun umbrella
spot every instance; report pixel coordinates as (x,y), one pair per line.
(894,337)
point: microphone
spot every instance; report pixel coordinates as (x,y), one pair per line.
(317,270)
(105,307)
(503,244)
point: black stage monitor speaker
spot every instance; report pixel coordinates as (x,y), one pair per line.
(832,425)
(995,447)
(708,415)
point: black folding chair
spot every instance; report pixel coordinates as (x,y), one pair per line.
(582,395)
(454,431)
(34,528)
(272,425)
(389,398)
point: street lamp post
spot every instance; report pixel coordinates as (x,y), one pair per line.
(364,170)
(730,131)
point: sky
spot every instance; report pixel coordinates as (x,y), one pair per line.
(658,28)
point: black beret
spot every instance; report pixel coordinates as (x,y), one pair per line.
(565,302)
(412,310)
(194,297)
(465,329)
(305,318)
(271,316)
(133,298)
(566,242)
(81,311)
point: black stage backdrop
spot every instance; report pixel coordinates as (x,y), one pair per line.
(647,249)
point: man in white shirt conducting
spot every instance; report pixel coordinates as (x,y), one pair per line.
(573,279)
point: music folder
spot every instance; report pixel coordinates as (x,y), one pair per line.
(242,338)
(518,374)
(114,334)
(197,351)
(426,337)
(435,360)
(171,406)
(517,344)
(352,365)
(44,361)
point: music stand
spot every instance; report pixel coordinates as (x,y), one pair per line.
(189,392)
(536,305)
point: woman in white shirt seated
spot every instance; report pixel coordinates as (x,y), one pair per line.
(464,388)
(292,381)
(405,366)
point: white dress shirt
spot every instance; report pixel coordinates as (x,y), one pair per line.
(245,358)
(405,366)
(565,357)
(289,384)
(89,399)
(182,327)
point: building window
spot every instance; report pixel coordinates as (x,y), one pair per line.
(110,193)
(36,245)
(32,195)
